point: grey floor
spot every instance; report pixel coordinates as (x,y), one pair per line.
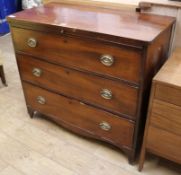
(39,147)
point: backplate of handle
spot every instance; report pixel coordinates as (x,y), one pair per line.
(105,126)
(41,100)
(107,60)
(106,94)
(37,72)
(32,42)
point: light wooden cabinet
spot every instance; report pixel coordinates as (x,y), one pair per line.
(163,127)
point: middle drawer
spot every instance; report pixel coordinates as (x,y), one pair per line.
(110,95)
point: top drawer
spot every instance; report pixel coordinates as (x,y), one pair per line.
(100,57)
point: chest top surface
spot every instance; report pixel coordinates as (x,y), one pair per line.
(123,24)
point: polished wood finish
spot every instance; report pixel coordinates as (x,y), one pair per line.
(81,116)
(164,143)
(171,69)
(99,22)
(166,116)
(173,97)
(163,128)
(71,51)
(59,49)
(86,87)
(156,55)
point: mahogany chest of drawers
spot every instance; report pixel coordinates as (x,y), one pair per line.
(90,69)
(163,128)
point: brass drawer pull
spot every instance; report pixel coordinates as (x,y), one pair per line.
(41,100)
(105,126)
(32,42)
(107,60)
(37,72)
(106,94)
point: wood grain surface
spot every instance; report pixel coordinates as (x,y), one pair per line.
(83,117)
(164,144)
(70,39)
(82,53)
(84,87)
(166,116)
(171,69)
(130,25)
(163,127)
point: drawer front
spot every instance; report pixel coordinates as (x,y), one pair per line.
(90,55)
(168,94)
(105,93)
(164,143)
(166,116)
(98,123)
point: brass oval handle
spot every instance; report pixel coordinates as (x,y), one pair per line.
(37,72)
(107,60)
(41,100)
(106,94)
(105,126)
(32,42)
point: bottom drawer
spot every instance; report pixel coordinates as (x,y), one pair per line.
(89,120)
(164,143)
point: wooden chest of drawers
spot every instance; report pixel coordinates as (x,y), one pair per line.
(90,69)
(163,128)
